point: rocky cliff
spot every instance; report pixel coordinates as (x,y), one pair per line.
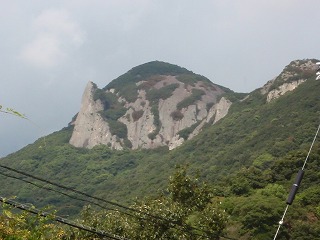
(160,104)
(155,104)
(294,74)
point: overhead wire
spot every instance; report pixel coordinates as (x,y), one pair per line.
(175,223)
(73,197)
(68,222)
(67,188)
(92,197)
(56,191)
(61,220)
(68,195)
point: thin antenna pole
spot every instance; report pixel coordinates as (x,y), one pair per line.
(314,139)
(296,185)
(281,222)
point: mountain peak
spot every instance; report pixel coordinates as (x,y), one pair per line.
(158,68)
(154,104)
(294,74)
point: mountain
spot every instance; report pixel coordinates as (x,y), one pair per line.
(249,157)
(152,105)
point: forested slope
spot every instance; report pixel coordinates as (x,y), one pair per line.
(249,160)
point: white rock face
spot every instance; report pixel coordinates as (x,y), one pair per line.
(139,129)
(221,109)
(266,87)
(216,112)
(89,127)
(298,69)
(286,87)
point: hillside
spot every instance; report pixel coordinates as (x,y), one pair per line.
(153,105)
(249,158)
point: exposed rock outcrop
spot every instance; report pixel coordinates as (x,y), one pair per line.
(89,127)
(281,90)
(162,106)
(296,73)
(216,112)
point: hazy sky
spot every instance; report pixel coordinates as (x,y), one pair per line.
(50,49)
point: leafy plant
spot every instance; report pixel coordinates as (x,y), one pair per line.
(192,79)
(136,115)
(118,128)
(156,121)
(177,115)
(126,84)
(12,112)
(195,96)
(153,95)
(184,133)
(185,212)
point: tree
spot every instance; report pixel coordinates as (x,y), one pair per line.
(260,212)
(187,191)
(16,225)
(186,211)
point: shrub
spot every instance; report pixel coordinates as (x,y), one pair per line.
(184,133)
(195,96)
(126,83)
(136,115)
(156,122)
(176,115)
(118,128)
(192,79)
(165,92)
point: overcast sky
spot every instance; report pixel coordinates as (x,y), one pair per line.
(51,49)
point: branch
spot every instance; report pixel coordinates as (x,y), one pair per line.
(12,112)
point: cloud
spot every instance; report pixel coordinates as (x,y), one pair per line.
(55,36)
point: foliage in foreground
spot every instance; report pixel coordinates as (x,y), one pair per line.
(185,211)
(250,158)
(251,207)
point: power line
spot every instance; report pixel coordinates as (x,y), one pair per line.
(92,197)
(72,197)
(68,188)
(174,223)
(54,190)
(67,195)
(84,194)
(61,220)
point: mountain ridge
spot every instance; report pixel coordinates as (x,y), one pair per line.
(160,104)
(249,159)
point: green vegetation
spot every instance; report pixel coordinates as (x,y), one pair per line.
(247,162)
(150,73)
(195,96)
(112,111)
(296,73)
(156,121)
(16,225)
(157,68)
(176,115)
(192,79)
(126,83)
(186,210)
(187,131)
(12,112)
(136,115)
(153,95)
(118,128)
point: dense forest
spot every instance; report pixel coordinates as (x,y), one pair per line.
(229,182)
